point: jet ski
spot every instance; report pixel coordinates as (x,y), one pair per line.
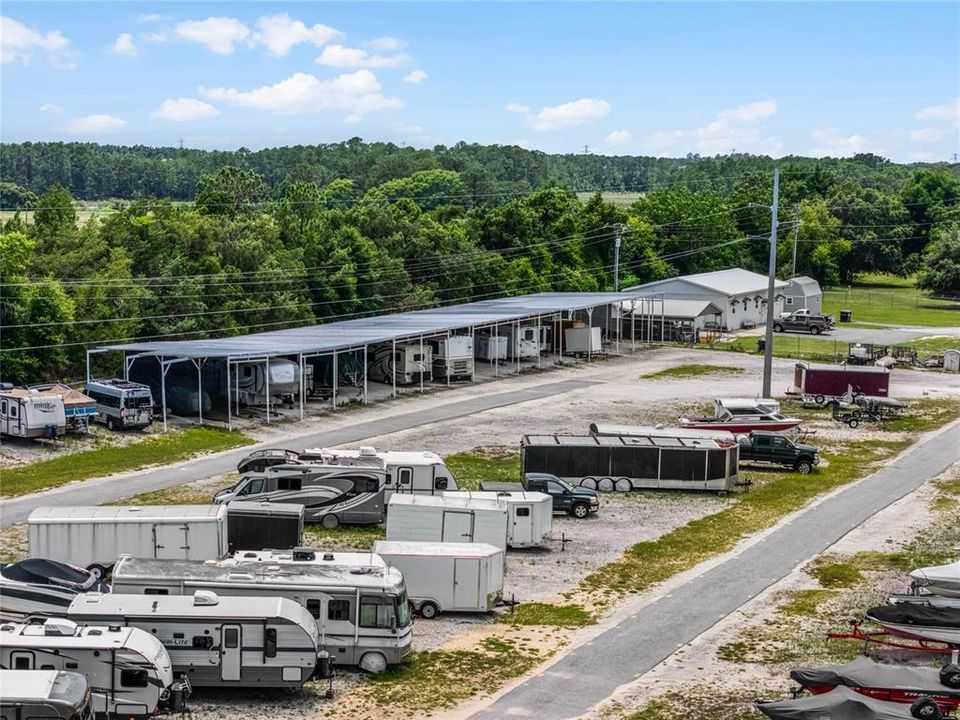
(40,587)
(846,704)
(939,579)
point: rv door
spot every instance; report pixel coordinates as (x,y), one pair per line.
(404,480)
(231,648)
(457,526)
(466,583)
(170,541)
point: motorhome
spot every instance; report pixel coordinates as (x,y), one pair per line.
(453,357)
(121,404)
(216,640)
(447,577)
(37,587)
(310,556)
(678,460)
(44,694)
(253,525)
(128,669)
(93,537)
(435,518)
(253,384)
(361,612)
(530,515)
(351,492)
(522,341)
(28,414)
(407,363)
(78,409)
(490,347)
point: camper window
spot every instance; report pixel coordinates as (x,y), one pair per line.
(365,485)
(338,610)
(376,612)
(156,591)
(254,487)
(270,642)
(3,407)
(289,483)
(247,371)
(404,476)
(231,638)
(202,642)
(313,607)
(13,411)
(523,512)
(441,483)
(133,678)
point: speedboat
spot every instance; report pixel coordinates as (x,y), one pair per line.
(939,579)
(839,704)
(893,683)
(918,622)
(936,601)
(40,587)
(742,421)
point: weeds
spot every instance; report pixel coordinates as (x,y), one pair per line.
(693,370)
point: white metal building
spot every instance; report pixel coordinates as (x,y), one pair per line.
(803,292)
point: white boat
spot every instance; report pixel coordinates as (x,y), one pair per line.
(919,622)
(41,587)
(939,579)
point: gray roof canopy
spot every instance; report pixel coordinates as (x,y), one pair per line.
(349,334)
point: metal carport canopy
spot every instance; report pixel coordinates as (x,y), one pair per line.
(346,334)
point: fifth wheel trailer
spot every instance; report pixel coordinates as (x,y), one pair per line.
(94,537)
(530,514)
(447,577)
(822,382)
(433,518)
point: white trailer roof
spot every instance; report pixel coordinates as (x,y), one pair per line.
(66,633)
(658,431)
(441,501)
(507,496)
(671,440)
(225,607)
(350,559)
(435,549)
(127,513)
(29,684)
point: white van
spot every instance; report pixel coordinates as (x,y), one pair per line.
(121,404)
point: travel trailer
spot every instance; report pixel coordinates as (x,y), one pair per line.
(78,409)
(351,492)
(37,587)
(413,363)
(128,669)
(434,518)
(523,341)
(121,404)
(490,347)
(253,525)
(453,356)
(46,694)
(447,577)
(215,640)
(93,537)
(361,612)
(530,515)
(252,384)
(28,414)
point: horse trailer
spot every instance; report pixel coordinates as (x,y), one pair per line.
(29,414)
(530,515)
(128,669)
(216,641)
(435,518)
(447,577)
(94,537)
(361,612)
(255,525)
(46,694)
(635,462)
(825,382)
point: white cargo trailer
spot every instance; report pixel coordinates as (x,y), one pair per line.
(523,342)
(530,514)
(453,356)
(491,347)
(447,577)
(94,537)
(584,341)
(434,518)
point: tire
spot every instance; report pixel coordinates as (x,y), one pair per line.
(330,521)
(854,423)
(803,467)
(98,571)
(950,676)
(110,424)
(777,327)
(818,399)
(580,511)
(622,485)
(605,484)
(429,610)
(589,483)
(857,414)
(814,330)
(373,662)
(924,708)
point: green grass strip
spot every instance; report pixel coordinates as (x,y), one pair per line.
(693,370)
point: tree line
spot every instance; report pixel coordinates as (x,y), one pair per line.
(247,255)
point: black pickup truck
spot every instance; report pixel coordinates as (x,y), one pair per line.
(576,501)
(769,447)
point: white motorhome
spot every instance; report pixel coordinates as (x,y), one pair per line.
(447,577)
(530,514)
(93,537)
(418,473)
(434,518)
(362,613)
(412,363)
(490,347)
(216,641)
(44,694)
(128,669)
(523,341)
(453,356)
(30,414)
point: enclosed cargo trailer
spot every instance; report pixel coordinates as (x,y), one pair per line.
(530,514)
(433,518)
(253,525)
(822,382)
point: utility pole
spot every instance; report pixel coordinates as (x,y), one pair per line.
(796,234)
(619,229)
(771,286)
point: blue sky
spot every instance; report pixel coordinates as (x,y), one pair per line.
(622,78)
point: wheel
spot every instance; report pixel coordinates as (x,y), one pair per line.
(330,521)
(589,482)
(853,423)
(580,510)
(777,327)
(803,467)
(373,662)
(857,414)
(819,399)
(605,484)
(429,610)
(98,571)
(623,485)
(950,676)
(925,708)
(815,330)
(110,424)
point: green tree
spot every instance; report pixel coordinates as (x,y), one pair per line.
(230,191)
(56,212)
(941,268)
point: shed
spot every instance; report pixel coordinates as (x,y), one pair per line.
(803,292)
(666,319)
(951,361)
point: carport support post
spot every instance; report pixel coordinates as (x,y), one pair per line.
(473,349)
(163,390)
(199,366)
(589,334)
(336,379)
(560,344)
(496,350)
(633,324)
(516,346)
(423,365)
(447,358)
(393,364)
(229,403)
(364,374)
(88,365)
(303,384)
(267,373)
(539,338)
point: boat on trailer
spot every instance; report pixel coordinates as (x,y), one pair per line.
(844,704)
(38,587)
(909,626)
(943,580)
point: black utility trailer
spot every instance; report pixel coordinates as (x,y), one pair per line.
(264,526)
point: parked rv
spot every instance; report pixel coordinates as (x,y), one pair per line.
(253,525)
(128,669)
(453,356)
(412,362)
(78,409)
(46,694)
(447,577)
(310,556)
(28,414)
(522,341)
(490,347)
(631,462)
(566,498)
(825,382)
(37,587)
(216,640)
(93,537)
(362,613)
(252,384)
(530,514)
(434,518)
(351,492)
(121,404)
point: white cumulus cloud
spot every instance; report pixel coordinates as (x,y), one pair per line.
(358,93)
(219,34)
(733,129)
(828,142)
(94,125)
(927,135)
(575,112)
(185,109)
(279,33)
(947,111)
(339,56)
(519,108)
(662,140)
(18,43)
(125,45)
(50,108)
(145,18)
(751,112)
(415,77)
(619,137)
(386,44)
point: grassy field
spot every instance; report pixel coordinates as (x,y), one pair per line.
(693,370)
(893,300)
(159,450)
(805,347)
(622,199)
(470,469)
